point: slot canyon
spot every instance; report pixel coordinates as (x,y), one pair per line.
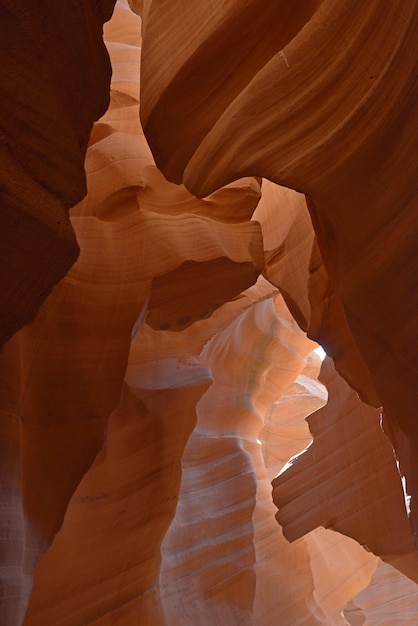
(209,313)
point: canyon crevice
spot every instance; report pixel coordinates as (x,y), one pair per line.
(194,197)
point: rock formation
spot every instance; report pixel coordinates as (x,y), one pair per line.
(55,76)
(167,377)
(320,97)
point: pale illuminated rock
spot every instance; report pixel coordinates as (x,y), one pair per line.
(390,599)
(334,481)
(319,97)
(164,383)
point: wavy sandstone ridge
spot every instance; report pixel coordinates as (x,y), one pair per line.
(55,76)
(329,108)
(166,380)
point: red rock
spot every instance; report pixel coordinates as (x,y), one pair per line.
(137,461)
(55,74)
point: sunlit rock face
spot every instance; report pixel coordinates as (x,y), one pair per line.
(168,380)
(321,97)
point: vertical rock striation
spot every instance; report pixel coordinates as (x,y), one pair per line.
(329,109)
(54,75)
(168,377)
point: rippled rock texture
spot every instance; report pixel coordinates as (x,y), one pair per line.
(54,75)
(173,451)
(320,97)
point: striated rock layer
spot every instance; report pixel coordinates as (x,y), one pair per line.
(331,483)
(54,74)
(320,97)
(164,383)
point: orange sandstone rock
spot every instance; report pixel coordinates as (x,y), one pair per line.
(146,455)
(55,77)
(334,481)
(320,98)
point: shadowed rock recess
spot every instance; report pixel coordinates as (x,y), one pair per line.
(173,450)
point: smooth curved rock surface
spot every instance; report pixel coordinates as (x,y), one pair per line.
(54,75)
(186,512)
(376,606)
(322,100)
(331,484)
(164,383)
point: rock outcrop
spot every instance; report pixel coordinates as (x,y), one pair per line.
(320,97)
(328,107)
(54,76)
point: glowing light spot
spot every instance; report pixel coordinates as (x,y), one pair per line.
(320,352)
